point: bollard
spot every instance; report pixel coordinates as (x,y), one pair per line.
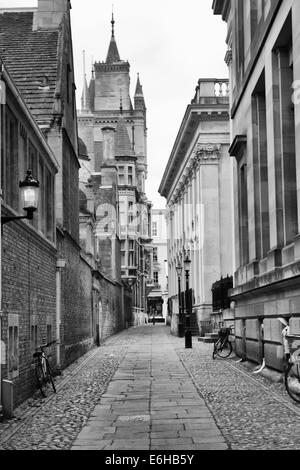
(188,340)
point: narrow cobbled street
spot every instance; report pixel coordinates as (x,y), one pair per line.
(142,390)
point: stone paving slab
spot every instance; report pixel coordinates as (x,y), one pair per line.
(154,370)
(157,407)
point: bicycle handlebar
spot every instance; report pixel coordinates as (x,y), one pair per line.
(47,344)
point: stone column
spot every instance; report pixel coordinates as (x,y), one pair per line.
(296,101)
(275,192)
(287,146)
(209,190)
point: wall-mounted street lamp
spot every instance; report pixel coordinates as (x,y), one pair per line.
(29,192)
(188,304)
(180,306)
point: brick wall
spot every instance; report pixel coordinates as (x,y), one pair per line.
(29,293)
(111,315)
(76,325)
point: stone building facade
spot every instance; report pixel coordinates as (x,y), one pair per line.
(115,135)
(56,283)
(264,64)
(197,185)
(158,297)
(28,254)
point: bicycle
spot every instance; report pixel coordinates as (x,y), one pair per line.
(292,372)
(222,346)
(43,371)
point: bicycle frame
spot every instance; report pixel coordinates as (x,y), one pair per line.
(42,360)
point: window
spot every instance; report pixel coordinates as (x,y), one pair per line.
(42,198)
(243,219)
(240,39)
(33,166)
(284,126)
(123,253)
(131,258)
(130,175)
(154,229)
(23,153)
(131,253)
(155,277)
(11,160)
(121,175)
(126,175)
(122,214)
(155,255)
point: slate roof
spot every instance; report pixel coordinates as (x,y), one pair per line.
(31,58)
(113,53)
(123,145)
(138,89)
(82,150)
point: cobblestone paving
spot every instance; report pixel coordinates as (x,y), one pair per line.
(251,412)
(249,416)
(58,419)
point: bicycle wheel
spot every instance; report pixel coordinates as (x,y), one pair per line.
(41,379)
(224,350)
(50,376)
(292,381)
(216,345)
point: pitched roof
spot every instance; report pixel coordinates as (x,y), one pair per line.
(138,89)
(113,53)
(82,150)
(31,58)
(123,146)
(85,97)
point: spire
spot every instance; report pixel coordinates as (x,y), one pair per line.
(123,145)
(138,89)
(91,88)
(112,24)
(85,98)
(113,53)
(121,103)
(139,101)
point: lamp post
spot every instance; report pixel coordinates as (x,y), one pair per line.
(180,322)
(29,189)
(188,305)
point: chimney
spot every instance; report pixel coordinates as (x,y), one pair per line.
(50,13)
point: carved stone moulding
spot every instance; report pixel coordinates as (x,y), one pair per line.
(205,152)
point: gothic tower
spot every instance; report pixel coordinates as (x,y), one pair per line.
(106,104)
(109,83)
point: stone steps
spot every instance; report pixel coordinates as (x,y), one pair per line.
(208,338)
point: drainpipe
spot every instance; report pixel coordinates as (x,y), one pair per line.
(263,349)
(60,265)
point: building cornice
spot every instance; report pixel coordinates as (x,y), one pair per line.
(221,7)
(203,108)
(202,154)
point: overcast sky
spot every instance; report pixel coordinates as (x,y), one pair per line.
(171,44)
